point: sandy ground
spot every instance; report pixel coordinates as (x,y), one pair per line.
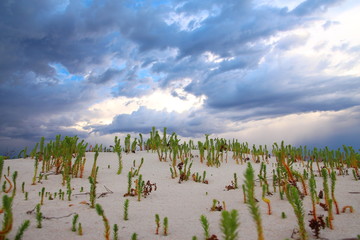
(183,203)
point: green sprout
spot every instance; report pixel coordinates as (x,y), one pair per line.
(157,221)
(19,234)
(101,213)
(229,224)
(166,226)
(294,199)
(39,216)
(92,192)
(205,225)
(74,222)
(250,195)
(126,210)
(115,232)
(8,216)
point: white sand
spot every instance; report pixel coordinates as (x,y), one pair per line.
(183,203)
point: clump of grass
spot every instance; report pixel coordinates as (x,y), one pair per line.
(250,193)
(229,224)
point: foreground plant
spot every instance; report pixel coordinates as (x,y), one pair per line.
(293,196)
(115,232)
(8,217)
(25,225)
(250,195)
(229,224)
(101,213)
(205,225)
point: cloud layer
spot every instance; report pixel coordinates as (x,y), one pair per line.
(247,61)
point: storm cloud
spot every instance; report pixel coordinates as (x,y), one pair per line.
(246,60)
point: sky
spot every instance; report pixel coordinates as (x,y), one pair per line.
(259,71)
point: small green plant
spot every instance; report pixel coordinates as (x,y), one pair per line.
(23,187)
(117,149)
(129,184)
(26,196)
(74,222)
(312,185)
(42,196)
(235,181)
(126,209)
(36,166)
(166,226)
(139,187)
(1,166)
(157,221)
(283,215)
(14,176)
(203,177)
(229,224)
(244,192)
(205,225)
(294,199)
(8,216)
(333,182)
(327,196)
(134,236)
(250,195)
(39,216)
(19,234)
(92,192)
(101,213)
(355,175)
(80,231)
(115,232)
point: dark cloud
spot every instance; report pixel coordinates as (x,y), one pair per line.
(313,6)
(109,75)
(126,48)
(188,124)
